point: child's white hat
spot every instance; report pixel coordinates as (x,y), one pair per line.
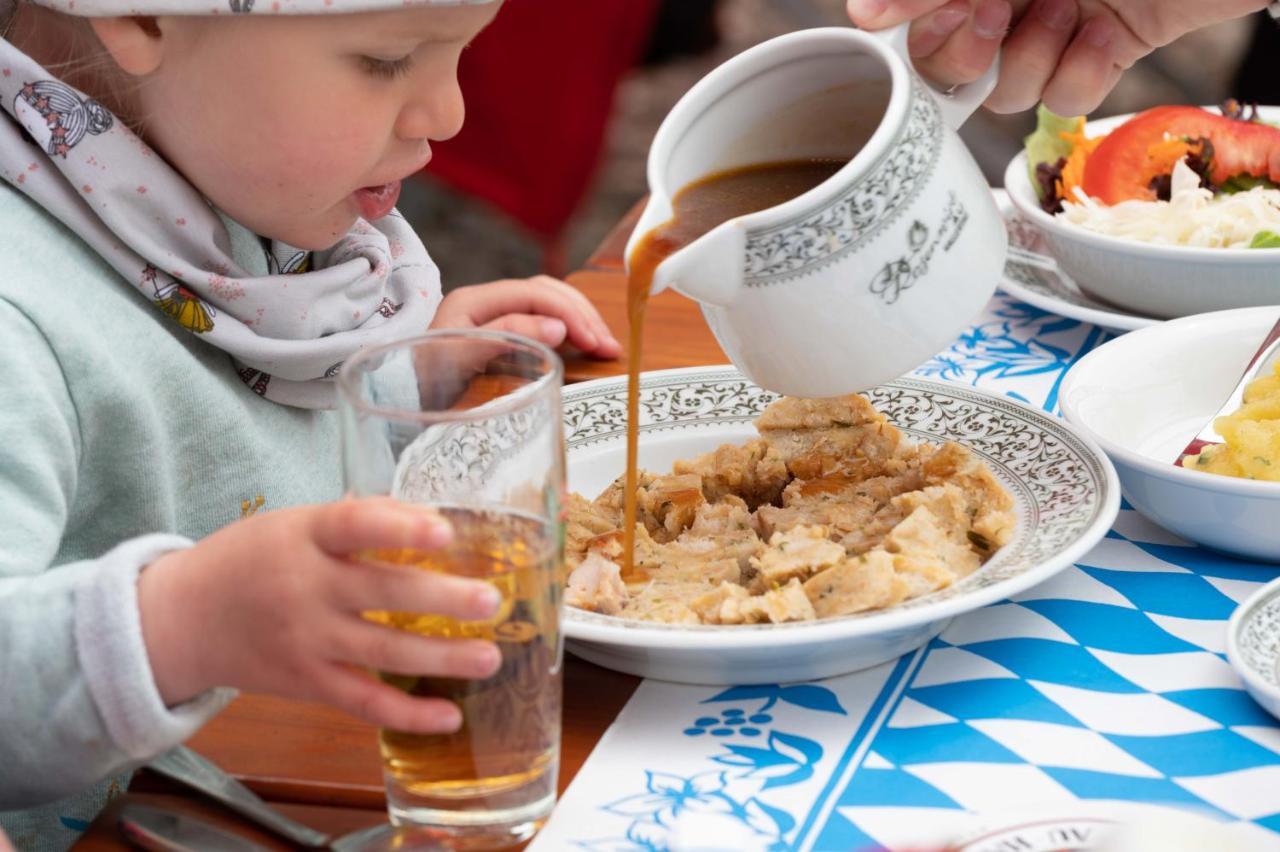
(111,8)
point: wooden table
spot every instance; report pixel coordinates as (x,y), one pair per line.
(675,333)
(321,766)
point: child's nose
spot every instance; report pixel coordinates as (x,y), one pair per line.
(436,113)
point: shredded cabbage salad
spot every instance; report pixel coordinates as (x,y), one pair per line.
(1193,216)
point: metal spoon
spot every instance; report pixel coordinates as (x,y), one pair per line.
(1268,353)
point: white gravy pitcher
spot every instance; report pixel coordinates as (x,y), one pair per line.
(871,272)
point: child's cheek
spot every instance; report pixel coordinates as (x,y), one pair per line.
(334,153)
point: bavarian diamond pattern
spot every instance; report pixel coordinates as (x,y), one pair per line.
(1109,682)
(1097,685)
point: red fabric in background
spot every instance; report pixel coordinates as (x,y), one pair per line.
(539,84)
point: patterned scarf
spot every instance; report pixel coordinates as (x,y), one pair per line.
(211,276)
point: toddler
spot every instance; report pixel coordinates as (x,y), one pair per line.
(197,227)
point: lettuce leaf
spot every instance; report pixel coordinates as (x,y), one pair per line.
(1265,239)
(1244,183)
(1046,144)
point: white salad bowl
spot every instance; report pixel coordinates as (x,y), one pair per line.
(1143,396)
(1150,279)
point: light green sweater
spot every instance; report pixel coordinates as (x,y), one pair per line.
(122,436)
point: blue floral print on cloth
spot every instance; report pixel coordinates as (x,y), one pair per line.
(1108,683)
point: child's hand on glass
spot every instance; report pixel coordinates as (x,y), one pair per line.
(549,311)
(1067,53)
(273,604)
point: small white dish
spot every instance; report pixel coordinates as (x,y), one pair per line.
(1033,276)
(1065,493)
(1144,395)
(1144,278)
(1253,645)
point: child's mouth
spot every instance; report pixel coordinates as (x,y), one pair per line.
(375,202)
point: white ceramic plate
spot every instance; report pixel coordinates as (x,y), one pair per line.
(1143,396)
(1065,490)
(1148,279)
(1253,645)
(1032,275)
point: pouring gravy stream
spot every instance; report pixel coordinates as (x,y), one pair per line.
(697,209)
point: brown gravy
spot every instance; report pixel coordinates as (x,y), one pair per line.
(698,208)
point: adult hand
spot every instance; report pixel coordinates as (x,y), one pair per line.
(1067,53)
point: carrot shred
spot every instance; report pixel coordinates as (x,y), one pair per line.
(1165,154)
(1073,170)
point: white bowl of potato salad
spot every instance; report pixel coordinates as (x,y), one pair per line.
(1143,396)
(1169,212)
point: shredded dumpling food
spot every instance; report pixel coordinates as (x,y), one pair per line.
(1193,215)
(831,511)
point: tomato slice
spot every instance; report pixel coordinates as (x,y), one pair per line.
(1117,169)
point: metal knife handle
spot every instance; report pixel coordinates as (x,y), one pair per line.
(187,767)
(159,830)
(142,837)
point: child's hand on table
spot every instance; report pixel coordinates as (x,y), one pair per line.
(273,604)
(549,311)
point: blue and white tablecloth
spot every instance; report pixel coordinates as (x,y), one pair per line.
(1108,683)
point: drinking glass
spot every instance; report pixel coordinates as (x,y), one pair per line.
(469,422)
